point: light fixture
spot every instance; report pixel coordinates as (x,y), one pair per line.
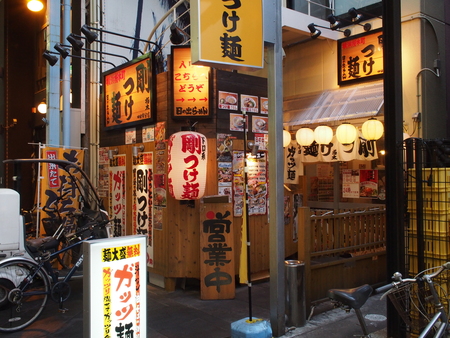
(42,107)
(137,149)
(51,59)
(3,128)
(112,152)
(75,41)
(304,136)
(357,18)
(334,22)
(286,138)
(372,129)
(315,33)
(346,133)
(177,36)
(323,134)
(35,5)
(92,36)
(62,50)
(253,146)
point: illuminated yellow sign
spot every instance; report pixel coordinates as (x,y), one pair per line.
(228,33)
(128,93)
(190,85)
(361,57)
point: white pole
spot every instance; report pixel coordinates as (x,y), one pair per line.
(66,77)
(53,37)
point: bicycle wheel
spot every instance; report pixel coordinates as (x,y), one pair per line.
(24,290)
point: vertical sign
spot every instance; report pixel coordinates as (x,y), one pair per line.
(115,296)
(227,33)
(216,252)
(128,93)
(117,196)
(190,85)
(360,57)
(143,200)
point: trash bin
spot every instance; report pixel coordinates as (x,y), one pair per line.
(295,293)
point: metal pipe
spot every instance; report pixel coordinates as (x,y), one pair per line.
(67,134)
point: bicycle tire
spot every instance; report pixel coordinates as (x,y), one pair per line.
(24,291)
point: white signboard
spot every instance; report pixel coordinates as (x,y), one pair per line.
(115,292)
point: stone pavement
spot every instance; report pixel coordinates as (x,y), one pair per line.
(182,314)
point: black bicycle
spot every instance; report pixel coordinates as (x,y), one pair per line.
(26,284)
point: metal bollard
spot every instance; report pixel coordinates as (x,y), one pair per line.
(295,293)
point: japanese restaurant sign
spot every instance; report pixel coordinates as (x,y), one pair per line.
(128,93)
(190,85)
(360,57)
(115,293)
(227,33)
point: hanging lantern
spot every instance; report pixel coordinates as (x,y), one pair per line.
(286,138)
(346,133)
(372,129)
(187,160)
(304,136)
(323,134)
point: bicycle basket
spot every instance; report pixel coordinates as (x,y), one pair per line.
(413,304)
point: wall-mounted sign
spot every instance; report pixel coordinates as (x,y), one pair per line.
(190,85)
(360,57)
(227,33)
(128,93)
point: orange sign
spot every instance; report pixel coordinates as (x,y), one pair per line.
(360,57)
(128,93)
(227,33)
(190,85)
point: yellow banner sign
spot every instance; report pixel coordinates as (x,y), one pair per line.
(361,57)
(128,95)
(227,33)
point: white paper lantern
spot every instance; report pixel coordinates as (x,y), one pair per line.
(187,162)
(304,136)
(346,133)
(372,129)
(323,134)
(286,138)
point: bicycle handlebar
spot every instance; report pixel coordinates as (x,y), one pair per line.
(398,280)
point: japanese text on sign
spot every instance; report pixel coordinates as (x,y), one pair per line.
(128,94)
(190,85)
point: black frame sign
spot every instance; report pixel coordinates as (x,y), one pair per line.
(360,57)
(190,86)
(128,93)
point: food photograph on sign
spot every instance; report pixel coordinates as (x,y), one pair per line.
(264,105)
(260,124)
(228,100)
(249,103)
(237,122)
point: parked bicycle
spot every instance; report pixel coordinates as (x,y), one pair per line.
(26,284)
(421,302)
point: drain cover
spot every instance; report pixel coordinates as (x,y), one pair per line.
(375,317)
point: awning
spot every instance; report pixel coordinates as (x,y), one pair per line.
(361,101)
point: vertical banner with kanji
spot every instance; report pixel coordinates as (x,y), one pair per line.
(115,293)
(143,200)
(216,251)
(117,196)
(58,193)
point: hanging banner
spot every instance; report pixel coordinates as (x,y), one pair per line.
(117,196)
(55,184)
(361,149)
(227,33)
(293,166)
(143,200)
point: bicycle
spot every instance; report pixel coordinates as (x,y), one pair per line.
(26,284)
(419,302)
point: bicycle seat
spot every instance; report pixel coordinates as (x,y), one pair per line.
(355,298)
(42,243)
